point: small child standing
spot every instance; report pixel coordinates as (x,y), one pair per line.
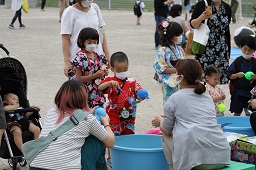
(122,94)
(212,76)
(89,66)
(237,73)
(18,122)
(168,55)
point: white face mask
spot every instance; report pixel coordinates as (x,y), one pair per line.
(178,78)
(122,75)
(91,47)
(179,40)
(247,56)
(86,3)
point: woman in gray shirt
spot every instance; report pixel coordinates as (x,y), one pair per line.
(189,115)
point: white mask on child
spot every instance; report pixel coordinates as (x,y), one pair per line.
(86,3)
(246,56)
(91,47)
(179,40)
(122,75)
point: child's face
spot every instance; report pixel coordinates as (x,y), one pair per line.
(120,67)
(247,51)
(11,99)
(214,79)
(90,41)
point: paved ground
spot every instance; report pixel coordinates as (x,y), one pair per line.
(38,47)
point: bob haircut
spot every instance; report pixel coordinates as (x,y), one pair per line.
(250,41)
(87,34)
(176,10)
(192,73)
(167,34)
(72,95)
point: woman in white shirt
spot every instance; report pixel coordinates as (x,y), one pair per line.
(64,153)
(82,14)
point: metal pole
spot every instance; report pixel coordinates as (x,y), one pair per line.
(109,4)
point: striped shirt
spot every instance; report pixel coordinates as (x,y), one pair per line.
(65,152)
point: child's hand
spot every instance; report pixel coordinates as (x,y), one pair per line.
(100,73)
(240,75)
(106,72)
(253,76)
(36,107)
(115,84)
(223,97)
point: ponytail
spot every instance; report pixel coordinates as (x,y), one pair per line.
(200,87)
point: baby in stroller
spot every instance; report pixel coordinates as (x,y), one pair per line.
(18,122)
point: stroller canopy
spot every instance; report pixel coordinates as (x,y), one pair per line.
(13,72)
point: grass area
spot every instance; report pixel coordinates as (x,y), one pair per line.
(128,5)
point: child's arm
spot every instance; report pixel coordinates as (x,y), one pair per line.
(98,74)
(30,113)
(11,107)
(105,85)
(237,75)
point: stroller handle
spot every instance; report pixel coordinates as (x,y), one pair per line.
(25,110)
(6,51)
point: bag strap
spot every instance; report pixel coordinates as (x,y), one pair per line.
(74,120)
(206,4)
(95,7)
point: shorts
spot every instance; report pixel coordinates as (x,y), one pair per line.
(122,129)
(22,124)
(139,15)
(238,103)
(14,127)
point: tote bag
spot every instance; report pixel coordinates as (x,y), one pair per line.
(200,38)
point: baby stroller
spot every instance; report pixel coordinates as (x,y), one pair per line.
(13,79)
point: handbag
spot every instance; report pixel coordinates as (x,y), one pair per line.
(32,148)
(101,29)
(201,36)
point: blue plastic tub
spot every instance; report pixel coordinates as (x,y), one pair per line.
(138,152)
(238,124)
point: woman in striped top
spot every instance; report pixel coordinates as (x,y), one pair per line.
(64,153)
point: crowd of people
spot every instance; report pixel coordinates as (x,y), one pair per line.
(189,105)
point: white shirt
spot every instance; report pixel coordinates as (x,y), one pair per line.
(73,20)
(142,5)
(64,153)
(16,5)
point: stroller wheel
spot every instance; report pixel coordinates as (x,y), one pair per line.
(13,163)
(22,161)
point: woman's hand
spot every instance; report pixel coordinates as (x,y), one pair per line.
(66,68)
(205,15)
(105,119)
(156,122)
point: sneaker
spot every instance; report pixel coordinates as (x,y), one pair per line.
(11,26)
(22,26)
(109,165)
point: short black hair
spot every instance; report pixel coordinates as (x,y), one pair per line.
(210,70)
(176,10)
(86,34)
(118,57)
(250,41)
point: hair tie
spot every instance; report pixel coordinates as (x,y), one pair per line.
(165,23)
(197,81)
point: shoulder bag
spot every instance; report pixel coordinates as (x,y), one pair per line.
(101,29)
(201,36)
(32,148)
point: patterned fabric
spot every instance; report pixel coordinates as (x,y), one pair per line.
(217,49)
(90,66)
(166,58)
(215,92)
(125,97)
(122,129)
